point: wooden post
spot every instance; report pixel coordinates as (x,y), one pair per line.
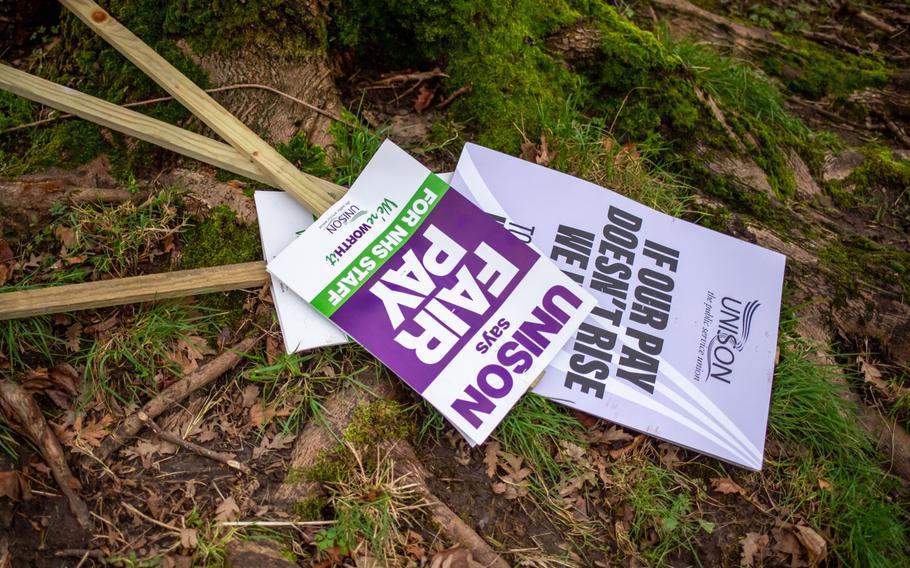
(148,288)
(272,164)
(141,126)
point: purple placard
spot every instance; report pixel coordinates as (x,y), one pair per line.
(364,317)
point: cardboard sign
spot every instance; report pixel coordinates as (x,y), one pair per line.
(682,342)
(281,220)
(463,311)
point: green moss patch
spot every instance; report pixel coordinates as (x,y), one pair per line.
(378,421)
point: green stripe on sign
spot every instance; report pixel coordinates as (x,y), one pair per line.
(399,230)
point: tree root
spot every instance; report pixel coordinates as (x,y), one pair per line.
(21,409)
(204,375)
(322,434)
(407,463)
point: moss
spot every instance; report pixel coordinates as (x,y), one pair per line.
(809,69)
(378,421)
(309,509)
(753,203)
(857,260)
(218,240)
(331,466)
(308,157)
(878,186)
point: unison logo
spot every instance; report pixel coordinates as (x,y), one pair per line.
(733,328)
(344,217)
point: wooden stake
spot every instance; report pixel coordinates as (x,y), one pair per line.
(143,127)
(272,164)
(148,288)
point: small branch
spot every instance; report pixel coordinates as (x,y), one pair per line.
(448,100)
(406,77)
(301,102)
(18,405)
(226,459)
(79,553)
(275,524)
(142,515)
(876,22)
(175,393)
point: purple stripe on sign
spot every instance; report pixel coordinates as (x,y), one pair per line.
(428,288)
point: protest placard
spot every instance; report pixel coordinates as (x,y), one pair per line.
(462,310)
(281,220)
(682,342)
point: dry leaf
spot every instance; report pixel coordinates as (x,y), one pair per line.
(424,98)
(872,375)
(814,543)
(611,434)
(456,557)
(543,156)
(529,151)
(726,486)
(272,350)
(12,485)
(787,548)
(66,236)
(73,335)
(824,484)
(102,326)
(188,538)
(227,510)
(616,454)
(4,274)
(491,458)
(6,252)
(754,546)
(249,395)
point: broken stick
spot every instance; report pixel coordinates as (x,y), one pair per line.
(173,394)
(19,406)
(226,459)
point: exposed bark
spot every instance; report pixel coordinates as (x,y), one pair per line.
(247,553)
(27,199)
(273,117)
(22,410)
(175,393)
(577,43)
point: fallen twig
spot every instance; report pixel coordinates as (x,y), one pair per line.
(21,408)
(448,100)
(275,524)
(406,77)
(79,553)
(202,376)
(226,459)
(133,104)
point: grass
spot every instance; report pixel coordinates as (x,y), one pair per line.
(301,380)
(145,347)
(867,527)
(666,519)
(535,430)
(585,148)
(372,506)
